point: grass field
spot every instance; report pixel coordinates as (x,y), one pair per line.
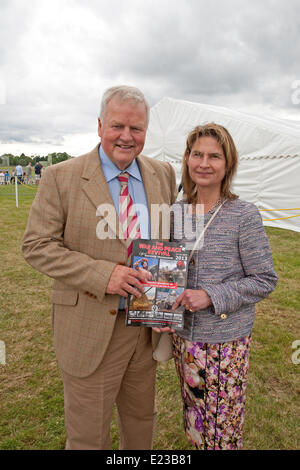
(31,404)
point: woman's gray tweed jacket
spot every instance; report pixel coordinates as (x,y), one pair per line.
(234,266)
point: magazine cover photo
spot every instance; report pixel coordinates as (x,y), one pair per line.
(166,267)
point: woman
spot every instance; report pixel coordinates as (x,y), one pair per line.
(226,277)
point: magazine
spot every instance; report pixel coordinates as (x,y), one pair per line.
(166,264)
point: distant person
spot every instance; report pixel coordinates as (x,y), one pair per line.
(227,276)
(2,177)
(6,177)
(19,173)
(12,176)
(38,172)
(28,173)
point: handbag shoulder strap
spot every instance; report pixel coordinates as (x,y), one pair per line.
(204,229)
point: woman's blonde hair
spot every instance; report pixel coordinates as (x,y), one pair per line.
(225,140)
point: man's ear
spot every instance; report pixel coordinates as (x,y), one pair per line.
(99,127)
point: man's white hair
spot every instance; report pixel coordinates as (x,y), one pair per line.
(123,93)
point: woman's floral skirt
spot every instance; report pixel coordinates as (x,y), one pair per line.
(213,379)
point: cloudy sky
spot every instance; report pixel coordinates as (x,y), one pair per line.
(57,57)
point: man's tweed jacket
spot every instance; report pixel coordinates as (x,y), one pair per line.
(61,241)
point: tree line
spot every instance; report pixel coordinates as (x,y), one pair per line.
(23,159)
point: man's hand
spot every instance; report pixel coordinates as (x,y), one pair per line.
(124,281)
(147,276)
(193,300)
(163,330)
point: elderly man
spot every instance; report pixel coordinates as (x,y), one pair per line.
(102,361)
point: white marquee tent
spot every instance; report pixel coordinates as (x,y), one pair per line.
(269,151)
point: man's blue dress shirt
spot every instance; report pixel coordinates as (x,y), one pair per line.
(136,191)
(135,187)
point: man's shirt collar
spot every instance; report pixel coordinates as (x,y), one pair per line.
(111,171)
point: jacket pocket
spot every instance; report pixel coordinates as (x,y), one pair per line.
(64,297)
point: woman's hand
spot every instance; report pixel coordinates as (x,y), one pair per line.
(193,300)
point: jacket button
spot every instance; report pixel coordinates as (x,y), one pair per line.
(223,316)
(113,312)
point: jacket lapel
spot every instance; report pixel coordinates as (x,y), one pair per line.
(152,184)
(95,187)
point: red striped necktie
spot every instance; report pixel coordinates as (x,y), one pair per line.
(127,214)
